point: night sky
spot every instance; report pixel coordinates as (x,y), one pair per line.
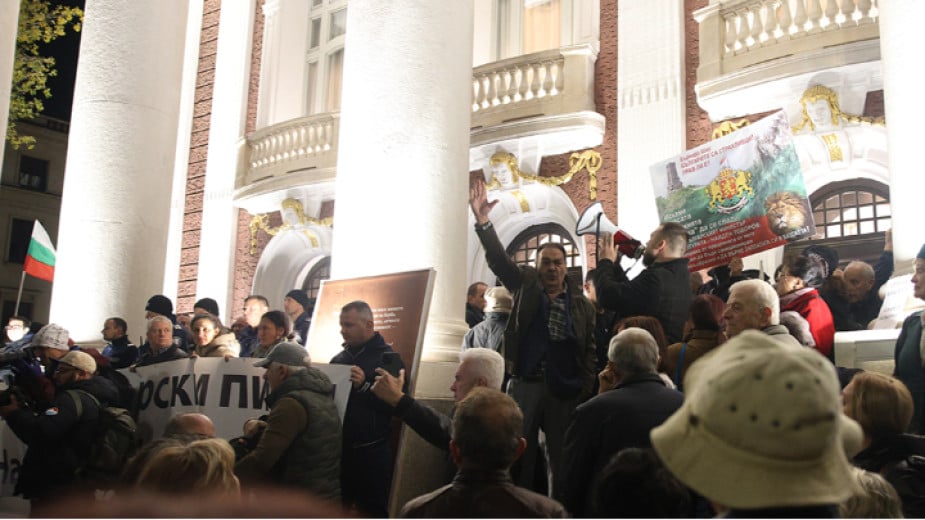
(65,49)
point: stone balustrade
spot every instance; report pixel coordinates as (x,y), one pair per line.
(735,35)
(553,82)
(298,144)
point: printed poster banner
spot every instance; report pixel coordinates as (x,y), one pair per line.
(737,195)
(229,392)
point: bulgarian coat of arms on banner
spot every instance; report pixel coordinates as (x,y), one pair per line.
(737,195)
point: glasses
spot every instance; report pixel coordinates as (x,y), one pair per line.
(13,327)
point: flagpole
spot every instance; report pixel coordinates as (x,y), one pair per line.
(19,294)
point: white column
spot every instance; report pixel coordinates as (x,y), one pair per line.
(116,202)
(651,122)
(900,47)
(229,113)
(9,25)
(402,178)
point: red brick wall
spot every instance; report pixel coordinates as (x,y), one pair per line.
(245,263)
(199,142)
(699,127)
(605,99)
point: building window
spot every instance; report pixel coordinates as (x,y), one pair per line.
(321,271)
(541,25)
(845,210)
(335,74)
(527,26)
(325,56)
(315,32)
(338,24)
(33,173)
(20,235)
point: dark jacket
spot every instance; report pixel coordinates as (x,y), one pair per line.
(482,494)
(300,328)
(311,461)
(367,418)
(121,353)
(474,315)
(662,290)
(58,438)
(607,423)
(892,457)
(247,338)
(908,368)
(856,316)
(528,295)
(170,354)
(431,425)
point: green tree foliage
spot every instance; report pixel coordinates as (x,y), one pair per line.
(39,22)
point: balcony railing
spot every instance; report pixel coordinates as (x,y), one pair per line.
(735,35)
(552,82)
(299,144)
(558,82)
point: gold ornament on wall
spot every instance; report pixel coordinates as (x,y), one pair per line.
(506,173)
(293,219)
(821,111)
(727,127)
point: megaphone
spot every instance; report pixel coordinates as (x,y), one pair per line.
(594,221)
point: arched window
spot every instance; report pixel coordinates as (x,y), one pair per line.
(850,208)
(523,248)
(851,217)
(321,271)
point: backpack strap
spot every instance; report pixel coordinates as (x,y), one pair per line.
(677,372)
(78,402)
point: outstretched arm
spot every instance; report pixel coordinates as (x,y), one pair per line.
(478,200)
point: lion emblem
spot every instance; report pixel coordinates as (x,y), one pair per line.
(786,212)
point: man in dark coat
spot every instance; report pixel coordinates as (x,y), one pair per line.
(299,307)
(662,290)
(160,342)
(618,418)
(548,342)
(475,303)
(160,305)
(486,441)
(120,351)
(58,437)
(366,466)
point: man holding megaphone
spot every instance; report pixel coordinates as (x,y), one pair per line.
(662,290)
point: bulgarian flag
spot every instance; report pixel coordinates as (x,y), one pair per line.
(40,259)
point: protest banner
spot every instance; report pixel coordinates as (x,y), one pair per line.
(737,195)
(229,392)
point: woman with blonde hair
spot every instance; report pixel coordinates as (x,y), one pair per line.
(202,467)
(882,405)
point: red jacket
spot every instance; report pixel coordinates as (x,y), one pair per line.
(814,309)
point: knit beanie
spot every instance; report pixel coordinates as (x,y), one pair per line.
(210,305)
(160,304)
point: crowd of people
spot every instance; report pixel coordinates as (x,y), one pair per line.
(645,397)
